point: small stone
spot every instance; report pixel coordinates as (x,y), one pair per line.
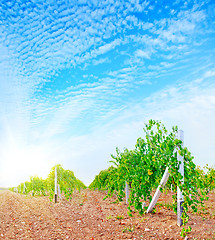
(147,229)
(78,221)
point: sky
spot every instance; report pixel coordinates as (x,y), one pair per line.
(81,77)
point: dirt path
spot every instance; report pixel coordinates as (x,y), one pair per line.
(87,216)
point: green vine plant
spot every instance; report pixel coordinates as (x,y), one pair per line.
(101,180)
(40,187)
(144,167)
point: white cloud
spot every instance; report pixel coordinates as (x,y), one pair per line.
(100,61)
(109,46)
(142,54)
(209,74)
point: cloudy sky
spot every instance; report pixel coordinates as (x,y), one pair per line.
(81,77)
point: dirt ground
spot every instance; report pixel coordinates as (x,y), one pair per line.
(88,216)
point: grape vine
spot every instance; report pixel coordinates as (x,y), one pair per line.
(143,168)
(42,187)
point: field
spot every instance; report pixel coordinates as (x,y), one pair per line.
(88,216)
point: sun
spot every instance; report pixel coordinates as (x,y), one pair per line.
(21,162)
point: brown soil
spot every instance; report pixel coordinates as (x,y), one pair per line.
(88,216)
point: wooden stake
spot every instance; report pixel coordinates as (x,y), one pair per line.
(55,185)
(158,192)
(180,198)
(24,188)
(126,192)
(59,192)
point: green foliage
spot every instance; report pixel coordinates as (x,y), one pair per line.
(128,229)
(65,179)
(39,186)
(185,231)
(36,185)
(101,180)
(144,167)
(206,177)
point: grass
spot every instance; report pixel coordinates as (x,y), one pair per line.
(128,229)
(169,206)
(142,219)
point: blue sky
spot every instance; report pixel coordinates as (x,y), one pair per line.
(80,78)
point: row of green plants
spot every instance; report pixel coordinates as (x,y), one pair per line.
(144,166)
(206,177)
(45,187)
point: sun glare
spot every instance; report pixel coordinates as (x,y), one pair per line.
(22,162)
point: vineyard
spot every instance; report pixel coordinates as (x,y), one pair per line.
(82,213)
(66,184)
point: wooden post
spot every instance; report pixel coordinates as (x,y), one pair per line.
(126,192)
(55,196)
(180,198)
(59,192)
(32,180)
(158,192)
(24,188)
